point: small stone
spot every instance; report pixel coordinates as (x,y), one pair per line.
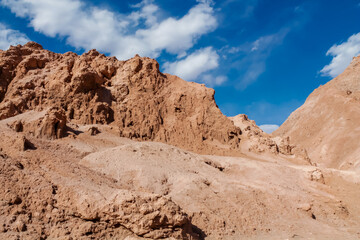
(93,131)
(317,176)
(24,144)
(86,228)
(3,228)
(13,199)
(19,165)
(18,126)
(20,226)
(305,206)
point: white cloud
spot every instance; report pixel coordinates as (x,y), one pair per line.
(191,67)
(269,128)
(177,36)
(342,55)
(264,42)
(114,33)
(194,67)
(147,12)
(11,37)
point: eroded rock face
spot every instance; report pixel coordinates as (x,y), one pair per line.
(53,125)
(133,95)
(259,141)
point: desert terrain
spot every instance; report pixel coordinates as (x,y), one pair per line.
(96,148)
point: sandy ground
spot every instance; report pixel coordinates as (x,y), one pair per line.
(262,196)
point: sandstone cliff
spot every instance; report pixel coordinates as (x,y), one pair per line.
(133,96)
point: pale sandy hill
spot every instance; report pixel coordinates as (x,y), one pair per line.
(327,125)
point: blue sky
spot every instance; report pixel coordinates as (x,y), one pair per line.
(262,57)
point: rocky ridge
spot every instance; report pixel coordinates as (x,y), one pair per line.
(133,96)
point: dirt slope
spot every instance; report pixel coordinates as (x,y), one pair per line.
(327,125)
(103,186)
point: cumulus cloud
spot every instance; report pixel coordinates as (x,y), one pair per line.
(11,37)
(118,34)
(191,67)
(342,55)
(147,12)
(269,128)
(194,64)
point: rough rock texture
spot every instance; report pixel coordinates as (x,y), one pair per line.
(133,95)
(327,125)
(53,125)
(49,123)
(46,195)
(258,141)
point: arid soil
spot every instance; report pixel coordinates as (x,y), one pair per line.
(96,148)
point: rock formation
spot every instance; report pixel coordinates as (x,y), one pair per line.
(327,125)
(132,95)
(258,141)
